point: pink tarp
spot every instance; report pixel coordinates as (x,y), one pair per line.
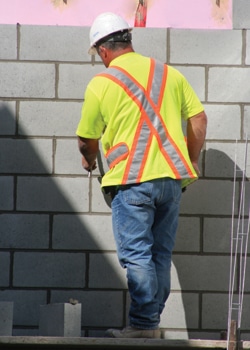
(199,14)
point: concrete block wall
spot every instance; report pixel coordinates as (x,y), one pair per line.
(56,239)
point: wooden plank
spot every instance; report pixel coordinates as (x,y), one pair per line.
(109,343)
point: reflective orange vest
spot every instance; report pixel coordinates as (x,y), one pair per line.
(151,124)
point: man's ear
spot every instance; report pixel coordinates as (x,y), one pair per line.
(103,51)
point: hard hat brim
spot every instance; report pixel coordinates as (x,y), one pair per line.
(92,51)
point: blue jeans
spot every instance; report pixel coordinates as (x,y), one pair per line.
(145,219)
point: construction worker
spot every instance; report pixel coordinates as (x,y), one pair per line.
(135,107)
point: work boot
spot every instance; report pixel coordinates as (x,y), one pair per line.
(130,332)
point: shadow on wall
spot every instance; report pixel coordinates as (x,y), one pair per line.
(201,261)
(51,248)
(54,246)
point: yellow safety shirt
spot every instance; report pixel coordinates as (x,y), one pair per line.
(136,107)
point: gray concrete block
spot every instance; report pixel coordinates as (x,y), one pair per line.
(6,318)
(188,235)
(24,79)
(222,47)
(217,235)
(5,269)
(68,159)
(60,320)
(31,156)
(218,115)
(214,335)
(196,78)
(100,308)
(88,232)
(73,79)
(106,272)
(28,332)
(100,203)
(7,190)
(247,281)
(236,79)
(248,45)
(203,273)
(45,118)
(246,122)
(158,42)
(214,311)
(220,160)
(60,270)
(210,197)
(7,117)
(26,305)
(24,231)
(181,311)
(53,194)
(8,42)
(55,43)
(241,10)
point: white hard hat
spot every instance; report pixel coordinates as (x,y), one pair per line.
(105,24)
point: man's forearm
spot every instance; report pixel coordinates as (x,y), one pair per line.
(196,133)
(89,149)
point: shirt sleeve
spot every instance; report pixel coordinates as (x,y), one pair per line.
(91,124)
(191,104)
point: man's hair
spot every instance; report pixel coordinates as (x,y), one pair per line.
(116,45)
(116,41)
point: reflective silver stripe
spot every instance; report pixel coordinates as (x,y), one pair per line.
(116,152)
(149,106)
(157,81)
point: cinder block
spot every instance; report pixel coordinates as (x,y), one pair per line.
(217,235)
(241,10)
(60,320)
(106,272)
(67,158)
(88,232)
(200,273)
(246,124)
(188,227)
(52,194)
(208,197)
(7,189)
(100,203)
(49,269)
(220,160)
(8,42)
(73,79)
(214,311)
(27,80)
(54,43)
(6,318)
(5,268)
(158,42)
(196,77)
(31,156)
(181,311)
(235,79)
(7,117)
(186,44)
(49,118)
(27,305)
(218,115)
(24,231)
(100,308)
